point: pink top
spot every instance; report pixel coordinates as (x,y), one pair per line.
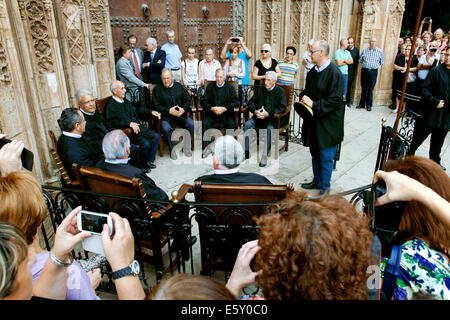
(209,69)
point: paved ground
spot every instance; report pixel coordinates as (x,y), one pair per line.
(355,168)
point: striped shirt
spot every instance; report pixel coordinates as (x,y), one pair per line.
(371,59)
(288,72)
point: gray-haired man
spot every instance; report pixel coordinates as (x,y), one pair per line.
(116,148)
(266,101)
(228,156)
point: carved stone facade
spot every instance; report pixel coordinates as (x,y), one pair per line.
(48,50)
(51,48)
(294,22)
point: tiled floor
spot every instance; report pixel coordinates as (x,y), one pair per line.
(355,168)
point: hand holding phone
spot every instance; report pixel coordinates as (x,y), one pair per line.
(93,223)
(13,156)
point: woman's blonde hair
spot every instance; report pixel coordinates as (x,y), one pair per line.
(22,202)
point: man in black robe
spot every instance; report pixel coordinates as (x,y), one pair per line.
(218,104)
(72,147)
(265,103)
(325,129)
(435,109)
(228,156)
(121,114)
(172,101)
(116,148)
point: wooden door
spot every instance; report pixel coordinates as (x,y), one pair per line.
(201,24)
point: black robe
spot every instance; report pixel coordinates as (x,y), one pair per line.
(165,98)
(120,115)
(436,87)
(326,88)
(274,101)
(214,96)
(234,178)
(152,190)
(96,128)
(73,150)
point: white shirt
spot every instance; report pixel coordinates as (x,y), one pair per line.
(117,99)
(117,161)
(308,64)
(72,135)
(326,64)
(228,171)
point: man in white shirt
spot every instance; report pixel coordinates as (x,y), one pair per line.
(208,67)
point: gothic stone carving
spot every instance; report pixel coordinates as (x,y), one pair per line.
(36,15)
(97,16)
(328,12)
(239,17)
(5,75)
(72,17)
(301,21)
(371,9)
(271,20)
(396,9)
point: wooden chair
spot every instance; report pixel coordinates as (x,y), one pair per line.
(65,179)
(224,229)
(283,119)
(151,236)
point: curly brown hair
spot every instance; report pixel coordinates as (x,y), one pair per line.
(317,249)
(417,220)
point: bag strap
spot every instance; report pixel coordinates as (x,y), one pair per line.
(392,271)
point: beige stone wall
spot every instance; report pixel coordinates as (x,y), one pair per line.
(294,22)
(50,49)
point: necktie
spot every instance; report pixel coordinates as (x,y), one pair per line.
(136,65)
(151,56)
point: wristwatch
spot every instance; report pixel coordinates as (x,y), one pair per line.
(133,269)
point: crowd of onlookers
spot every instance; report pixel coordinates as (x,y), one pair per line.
(306,249)
(429,52)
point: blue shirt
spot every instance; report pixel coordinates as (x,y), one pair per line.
(173,55)
(243,56)
(342,55)
(371,59)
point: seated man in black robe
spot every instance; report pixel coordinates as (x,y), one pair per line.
(218,104)
(172,101)
(265,102)
(72,147)
(121,114)
(228,155)
(116,148)
(96,125)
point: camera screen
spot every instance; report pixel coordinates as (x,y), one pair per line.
(93,223)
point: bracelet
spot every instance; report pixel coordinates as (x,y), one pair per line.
(59,262)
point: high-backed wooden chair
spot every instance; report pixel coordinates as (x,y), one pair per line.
(283,119)
(223,229)
(65,179)
(153,235)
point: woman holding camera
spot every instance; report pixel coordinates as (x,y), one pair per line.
(424,231)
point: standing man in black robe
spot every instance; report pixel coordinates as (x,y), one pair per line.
(121,114)
(172,101)
(218,103)
(265,103)
(351,69)
(325,129)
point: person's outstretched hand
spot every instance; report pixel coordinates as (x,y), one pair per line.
(119,249)
(242,275)
(67,236)
(399,187)
(10,160)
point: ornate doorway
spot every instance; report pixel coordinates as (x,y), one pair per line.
(200,24)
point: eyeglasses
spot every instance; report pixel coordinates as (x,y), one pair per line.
(315,51)
(89,101)
(264,51)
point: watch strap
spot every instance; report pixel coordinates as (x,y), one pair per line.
(121,273)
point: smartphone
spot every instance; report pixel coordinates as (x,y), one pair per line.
(235,39)
(26,156)
(93,222)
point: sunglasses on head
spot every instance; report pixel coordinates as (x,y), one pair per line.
(265,51)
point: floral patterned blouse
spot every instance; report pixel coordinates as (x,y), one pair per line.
(423,270)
